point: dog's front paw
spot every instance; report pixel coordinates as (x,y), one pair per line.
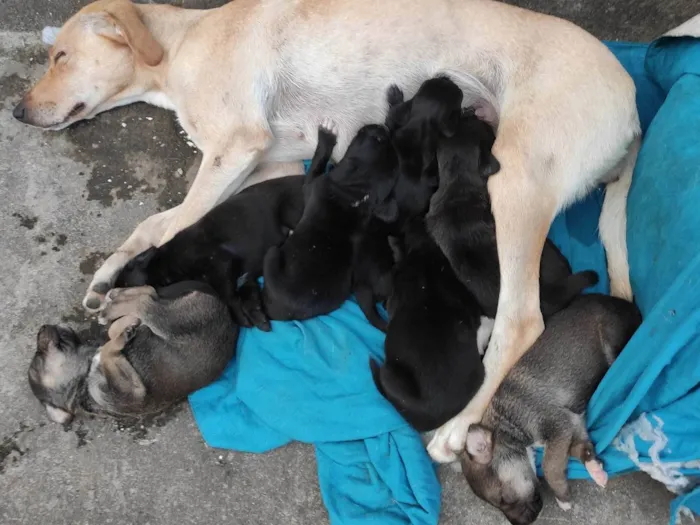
(597,472)
(328,130)
(95,297)
(564,504)
(450,439)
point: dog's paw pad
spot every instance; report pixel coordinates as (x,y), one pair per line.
(595,469)
(564,505)
(329,125)
(92,302)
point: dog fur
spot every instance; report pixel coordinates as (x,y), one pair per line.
(227,243)
(543,399)
(162,347)
(432,366)
(565,109)
(311,273)
(461,223)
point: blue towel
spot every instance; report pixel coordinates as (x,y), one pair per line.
(309,381)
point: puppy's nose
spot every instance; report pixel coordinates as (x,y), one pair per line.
(20,111)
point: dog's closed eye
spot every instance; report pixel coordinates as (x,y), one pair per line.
(58,56)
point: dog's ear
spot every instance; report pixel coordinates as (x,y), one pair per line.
(480,444)
(398,115)
(488,164)
(47,336)
(120,22)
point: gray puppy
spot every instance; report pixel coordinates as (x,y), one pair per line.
(543,399)
(162,346)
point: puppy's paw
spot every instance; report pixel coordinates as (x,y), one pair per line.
(564,505)
(329,129)
(597,472)
(450,439)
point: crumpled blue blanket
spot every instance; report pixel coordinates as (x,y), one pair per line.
(310,381)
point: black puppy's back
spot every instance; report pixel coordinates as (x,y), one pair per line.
(432,366)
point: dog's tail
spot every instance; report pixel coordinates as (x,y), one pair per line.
(613,225)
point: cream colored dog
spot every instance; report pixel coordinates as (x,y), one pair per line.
(251,81)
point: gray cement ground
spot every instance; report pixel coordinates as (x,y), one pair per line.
(71,197)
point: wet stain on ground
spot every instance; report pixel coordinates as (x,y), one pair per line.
(90,263)
(10,449)
(139,157)
(78,428)
(11,89)
(26,221)
(86,326)
(138,428)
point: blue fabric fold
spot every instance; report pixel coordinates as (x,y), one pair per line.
(309,381)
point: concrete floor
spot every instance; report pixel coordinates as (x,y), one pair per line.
(71,197)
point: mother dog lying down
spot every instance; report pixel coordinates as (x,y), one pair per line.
(250,82)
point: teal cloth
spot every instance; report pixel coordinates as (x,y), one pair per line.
(309,381)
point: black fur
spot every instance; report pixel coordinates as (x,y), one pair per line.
(461,222)
(227,243)
(311,273)
(432,367)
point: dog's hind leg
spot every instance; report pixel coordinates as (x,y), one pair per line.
(613,224)
(121,377)
(146,234)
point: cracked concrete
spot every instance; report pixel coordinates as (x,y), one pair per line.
(69,199)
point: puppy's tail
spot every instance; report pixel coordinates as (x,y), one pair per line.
(613,225)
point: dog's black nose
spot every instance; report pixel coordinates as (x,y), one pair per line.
(20,111)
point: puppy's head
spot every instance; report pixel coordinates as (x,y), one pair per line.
(93,66)
(469,148)
(502,476)
(59,367)
(368,170)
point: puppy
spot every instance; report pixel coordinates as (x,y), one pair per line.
(162,347)
(543,399)
(416,126)
(432,366)
(373,262)
(228,242)
(311,273)
(460,221)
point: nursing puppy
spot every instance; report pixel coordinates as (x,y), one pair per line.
(163,346)
(227,243)
(311,273)
(543,399)
(416,126)
(461,223)
(432,366)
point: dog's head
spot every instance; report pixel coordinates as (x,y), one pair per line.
(468,149)
(433,112)
(137,271)
(94,65)
(57,371)
(502,475)
(368,171)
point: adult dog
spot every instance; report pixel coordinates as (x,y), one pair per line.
(251,81)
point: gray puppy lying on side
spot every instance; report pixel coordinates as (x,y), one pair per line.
(543,399)
(162,346)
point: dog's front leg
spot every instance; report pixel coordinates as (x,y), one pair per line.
(524,201)
(224,167)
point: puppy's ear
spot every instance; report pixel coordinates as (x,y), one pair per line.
(480,444)
(145,257)
(398,115)
(47,336)
(488,164)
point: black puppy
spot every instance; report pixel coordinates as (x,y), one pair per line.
(373,262)
(416,126)
(461,223)
(227,243)
(433,365)
(311,273)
